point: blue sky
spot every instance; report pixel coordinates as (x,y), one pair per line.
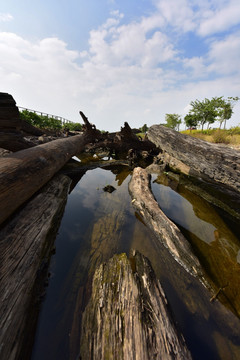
(119,60)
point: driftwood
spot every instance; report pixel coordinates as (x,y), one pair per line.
(11,126)
(128,316)
(122,144)
(25,247)
(24,172)
(196,157)
(165,230)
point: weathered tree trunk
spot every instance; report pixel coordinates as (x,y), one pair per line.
(26,171)
(197,157)
(11,137)
(165,230)
(25,247)
(128,316)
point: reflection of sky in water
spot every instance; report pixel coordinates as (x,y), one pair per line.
(181,212)
(76,158)
(90,188)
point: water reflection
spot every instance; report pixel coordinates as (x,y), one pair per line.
(96,225)
(214,242)
(182,212)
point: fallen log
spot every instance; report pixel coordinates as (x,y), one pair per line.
(165,230)
(25,248)
(128,316)
(196,157)
(26,171)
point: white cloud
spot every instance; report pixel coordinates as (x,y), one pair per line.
(220,19)
(177,14)
(131,44)
(4,17)
(197,66)
(128,73)
(224,55)
(206,17)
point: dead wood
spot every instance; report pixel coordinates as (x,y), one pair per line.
(128,316)
(25,246)
(213,162)
(165,230)
(11,125)
(24,172)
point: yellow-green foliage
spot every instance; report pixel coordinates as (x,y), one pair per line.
(218,136)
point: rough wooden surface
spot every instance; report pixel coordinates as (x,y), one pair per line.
(165,230)
(24,248)
(11,137)
(128,316)
(26,171)
(214,162)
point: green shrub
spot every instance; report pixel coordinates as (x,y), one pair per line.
(40,121)
(74,126)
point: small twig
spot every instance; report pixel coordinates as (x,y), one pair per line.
(218,292)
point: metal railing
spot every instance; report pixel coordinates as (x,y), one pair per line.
(60,118)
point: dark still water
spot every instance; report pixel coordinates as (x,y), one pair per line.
(97,224)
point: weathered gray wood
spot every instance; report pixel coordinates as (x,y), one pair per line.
(165,230)
(25,245)
(26,171)
(193,156)
(11,137)
(128,316)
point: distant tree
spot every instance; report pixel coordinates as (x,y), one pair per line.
(144,128)
(173,121)
(205,111)
(191,120)
(225,109)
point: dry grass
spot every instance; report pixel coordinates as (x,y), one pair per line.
(229,137)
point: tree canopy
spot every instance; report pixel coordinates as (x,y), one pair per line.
(173,121)
(208,111)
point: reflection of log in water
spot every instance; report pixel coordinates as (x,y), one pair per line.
(106,237)
(100,239)
(213,241)
(25,247)
(128,316)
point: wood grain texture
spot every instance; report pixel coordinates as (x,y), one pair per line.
(25,245)
(26,171)
(213,162)
(165,230)
(128,316)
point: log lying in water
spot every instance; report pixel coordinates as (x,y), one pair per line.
(128,316)
(26,171)
(192,156)
(165,230)
(25,246)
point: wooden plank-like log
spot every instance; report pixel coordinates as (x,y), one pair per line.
(26,242)
(128,316)
(196,157)
(26,171)
(165,230)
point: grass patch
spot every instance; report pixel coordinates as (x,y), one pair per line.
(221,137)
(217,136)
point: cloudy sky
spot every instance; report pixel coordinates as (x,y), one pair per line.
(119,60)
